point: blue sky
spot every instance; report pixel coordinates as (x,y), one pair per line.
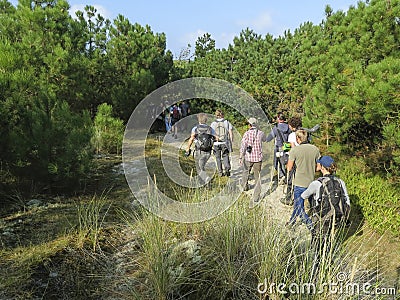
(183,21)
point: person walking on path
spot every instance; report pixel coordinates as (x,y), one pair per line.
(280,134)
(331,203)
(294,123)
(305,157)
(223,145)
(167,118)
(251,156)
(203,137)
(185,111)
(176,115)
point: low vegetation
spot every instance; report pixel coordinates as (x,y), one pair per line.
(107,246)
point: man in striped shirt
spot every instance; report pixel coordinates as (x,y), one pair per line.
(251,157)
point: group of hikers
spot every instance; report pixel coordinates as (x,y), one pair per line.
(168,119)
(295,162)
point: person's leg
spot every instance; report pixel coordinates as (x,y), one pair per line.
(290,180)
(167,124)
(282,168)
(287,199)
(298,206)
(176,128)
(173,127)
(276,150)
(218,153)
(225,158)
(257,177)
(274,183)
(322,236)
(203,158)
(245,175)
(303,215)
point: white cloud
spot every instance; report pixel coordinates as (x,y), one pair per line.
(191,37)
(100,10)
(222,40)
(260,23)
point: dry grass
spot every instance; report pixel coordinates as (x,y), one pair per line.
(93,247)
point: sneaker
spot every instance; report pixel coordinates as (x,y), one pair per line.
(227,173)
(273,187)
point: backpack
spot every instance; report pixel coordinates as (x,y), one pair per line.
(221,131)
(331,202)
(205,139)
(175,112)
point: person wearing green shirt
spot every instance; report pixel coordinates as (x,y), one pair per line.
(305,156)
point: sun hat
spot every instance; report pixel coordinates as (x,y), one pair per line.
(252,121)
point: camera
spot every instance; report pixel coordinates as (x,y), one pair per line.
(312,130)
(249,149)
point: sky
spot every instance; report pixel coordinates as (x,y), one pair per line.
(183,21)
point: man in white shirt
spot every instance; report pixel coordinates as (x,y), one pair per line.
(223,145)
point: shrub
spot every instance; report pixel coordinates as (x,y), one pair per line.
(108,131)
(377,197)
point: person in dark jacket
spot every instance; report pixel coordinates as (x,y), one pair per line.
(280,134)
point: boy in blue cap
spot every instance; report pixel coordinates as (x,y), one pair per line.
(331,202)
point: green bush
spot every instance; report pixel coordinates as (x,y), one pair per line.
(108,131)
(378,198)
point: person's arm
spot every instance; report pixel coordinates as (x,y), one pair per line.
(243,146)
(214,134)
(270,136)
(346,194)
(263,137)
(311,190)
(289,165)
(317,165)
(230,131)
(231,135)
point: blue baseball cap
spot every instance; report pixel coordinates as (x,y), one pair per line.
(326,161)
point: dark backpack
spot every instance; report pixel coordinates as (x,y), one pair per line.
(331,202)
(205,139)
(221,131)
(175,112)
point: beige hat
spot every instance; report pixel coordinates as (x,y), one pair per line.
(252,121)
